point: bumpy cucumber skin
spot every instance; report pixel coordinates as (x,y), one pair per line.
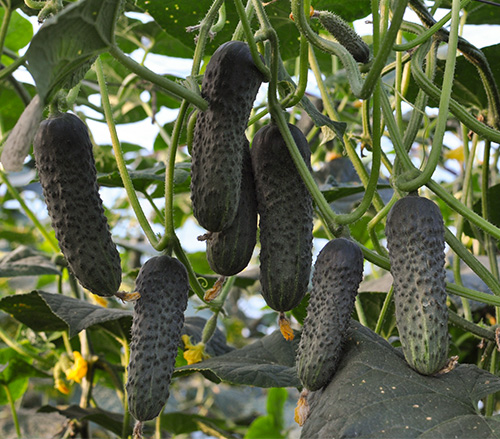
(285,209)
(230,85)
(66,167)
(338,271)
(345,35)
(230,251)
(156,333)
(415,239)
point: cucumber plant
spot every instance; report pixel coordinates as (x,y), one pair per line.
(331,177)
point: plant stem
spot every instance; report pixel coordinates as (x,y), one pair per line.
(360,88)
(384,310)
(459,223)
(193,279)
(120,160)
(6,71)
(165,83)
(169,172)
(5,26)
(203,34)
(13,410)
(458,207)
(478,268)
(460,112)
(249,12)
(125,358)
(424,36)
(14,192)
(245,23)
(444,102)
(490,399)
(468,326)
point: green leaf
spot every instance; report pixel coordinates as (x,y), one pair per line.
(144,178)
(346,190)
(158,41)
(43,311)
(263,427)
(66,45)
(24,261)
(15,373)
(111,421)
(374,393)
(174,17)
(276,399)
(19,32)
(269,362)
(12,105)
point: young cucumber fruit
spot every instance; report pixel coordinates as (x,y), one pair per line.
(230,85)
(66,167)
(285,209)
(345,35)
(230,251)
(415,239)
(338,271)
(156,334)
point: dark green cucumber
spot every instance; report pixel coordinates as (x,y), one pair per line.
(345,35)
(156,334)
(285,209)
(66,167)
(230,85)
(415,239)
(338,271)
(230,251)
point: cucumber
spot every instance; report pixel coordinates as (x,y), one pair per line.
(415,239)
(67,172)
(285,209)
(230,85)
(230,251)
(338,271)
(156,334)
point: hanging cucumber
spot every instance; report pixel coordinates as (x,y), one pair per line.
(66,168)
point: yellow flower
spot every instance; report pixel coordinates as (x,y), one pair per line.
(99,300)
(193,353)
(79,368)
(285,327)
(302,410)
(457,154)
(61,386)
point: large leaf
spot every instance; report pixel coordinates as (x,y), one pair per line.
(174,21)
(144,178)
(24,261)
(66,45)
(42,311)
(376,394)
(269,362)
